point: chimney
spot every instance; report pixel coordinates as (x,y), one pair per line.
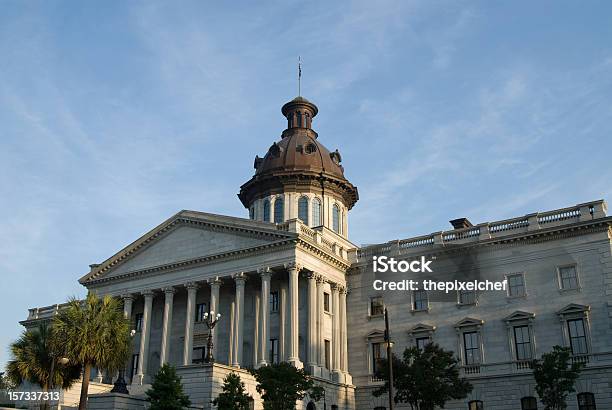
(461,223)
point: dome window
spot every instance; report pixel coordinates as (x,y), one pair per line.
(303,209)
(279,210)
(266,211)
(316,212)
(275,150)
(336,218)
(311,148)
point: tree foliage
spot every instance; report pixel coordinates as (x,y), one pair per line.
(96,334)
(234,395)
(166,392)
(281,385)
(424,378)
(32,356)
(555,376)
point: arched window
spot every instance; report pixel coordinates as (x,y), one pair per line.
(586,401)
(336,218)
(252,212)
(279,210)
(266,213)
(316,212)
(299,118)
(303,209)
(529,403)
(311,406)
(475,405)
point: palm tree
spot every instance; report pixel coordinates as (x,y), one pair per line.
(35,359)
(96,334)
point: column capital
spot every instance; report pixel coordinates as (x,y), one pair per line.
(265,269)
(216,281)
(239,278)
(320,279)
(127,296)
(293,266)
(169,290)
(310,275)
(334,286)
(191,285)
(342,289)
(148,293)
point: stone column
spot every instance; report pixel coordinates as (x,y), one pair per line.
(282,339)
(256,329)
(343,329)
(335,329)
(167,325)
(232,331)
(312,321)
(192,289)
(264,333)
(320,347)
(145,335)
(215,285)
(240,279)
(294,354)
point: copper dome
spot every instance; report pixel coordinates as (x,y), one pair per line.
(298,156)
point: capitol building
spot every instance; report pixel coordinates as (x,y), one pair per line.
(291,286)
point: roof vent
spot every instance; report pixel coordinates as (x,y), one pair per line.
(461,223)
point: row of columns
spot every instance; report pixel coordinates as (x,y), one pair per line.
(289,314)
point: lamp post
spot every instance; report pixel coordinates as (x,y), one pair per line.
(120,386)
(211,321)
(389,359)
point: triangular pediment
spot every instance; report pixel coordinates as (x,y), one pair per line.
(375,334)
(422,327)
(519,315)
(574,308)
(469,321)
(185,237)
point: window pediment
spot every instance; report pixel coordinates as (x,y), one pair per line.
(422,328)
(375,334)
(469,321)
(573,308)
(519,315)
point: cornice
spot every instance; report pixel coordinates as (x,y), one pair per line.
(327,257)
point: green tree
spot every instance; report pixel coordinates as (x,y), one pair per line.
(166,392)
(424,378)
(32,361)
(94,333)
(281,385)
(234,395)
(555,376)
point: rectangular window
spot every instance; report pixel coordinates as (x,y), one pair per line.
(421,342)
(376,356)
(200,310)
(273,351)
(516,285)
(326,302)
(198,355)
(471,347)
(134,368)
(273,302)
(138,322)
(467,297)
(522,342)
(420,301)
(377,307)
(577,336)
(327,354)
(568,277)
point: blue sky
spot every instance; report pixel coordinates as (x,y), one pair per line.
(116,115)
